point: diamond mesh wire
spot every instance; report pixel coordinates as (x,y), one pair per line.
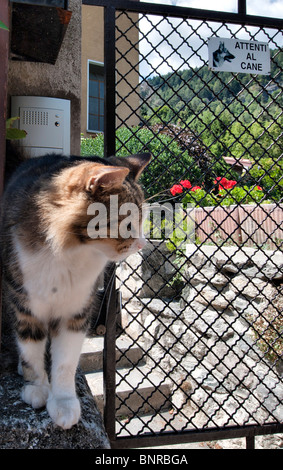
(206,318)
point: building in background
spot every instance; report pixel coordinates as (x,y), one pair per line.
(92,99)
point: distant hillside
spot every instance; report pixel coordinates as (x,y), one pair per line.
(234,114)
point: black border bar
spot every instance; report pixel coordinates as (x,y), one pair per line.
(194,13)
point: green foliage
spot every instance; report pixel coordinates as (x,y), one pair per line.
(233,116)
(241,195)
(169,161)
(3,26)
(225,197)
(200,198)
(268,330)
(269,174)
(92,146)
(227,115)
(13,133)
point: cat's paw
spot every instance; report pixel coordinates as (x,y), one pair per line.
(65,412)
(35,395)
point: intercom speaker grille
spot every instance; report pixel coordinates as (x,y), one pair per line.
(35,118)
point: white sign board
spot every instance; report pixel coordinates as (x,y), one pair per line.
(235,55)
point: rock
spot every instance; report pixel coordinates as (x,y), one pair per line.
(249,287)
(205,341)
(129,274)
(148,273)
(22,427)
(211,296)
(252,262)
(157,306)
(207,274)
(219,280)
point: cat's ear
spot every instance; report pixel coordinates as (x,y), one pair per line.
(107,176)
(138,164)
(135,163)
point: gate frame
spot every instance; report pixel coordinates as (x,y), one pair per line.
(109,358)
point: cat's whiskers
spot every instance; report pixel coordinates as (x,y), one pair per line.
(163,192)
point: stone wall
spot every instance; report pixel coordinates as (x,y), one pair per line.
(22,427)
(204,339)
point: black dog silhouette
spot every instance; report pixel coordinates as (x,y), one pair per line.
(221,55)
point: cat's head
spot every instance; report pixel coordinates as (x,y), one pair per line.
(103,205)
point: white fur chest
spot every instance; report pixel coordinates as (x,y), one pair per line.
(59,286)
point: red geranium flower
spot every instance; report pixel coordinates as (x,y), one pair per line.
(259,188)
(230,184)
(221,180)
(195,188)
(176,189)
(186,184)
(224,183)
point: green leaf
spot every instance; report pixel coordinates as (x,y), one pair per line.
(13,133)
(11,121)
(3,26)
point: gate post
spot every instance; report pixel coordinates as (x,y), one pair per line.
(250,442)
(109,360)
(109,353)
(109,67)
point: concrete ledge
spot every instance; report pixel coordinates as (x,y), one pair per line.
(22,427)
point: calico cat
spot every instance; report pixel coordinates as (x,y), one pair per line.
(51,264)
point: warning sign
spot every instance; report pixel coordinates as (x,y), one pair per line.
(235,55)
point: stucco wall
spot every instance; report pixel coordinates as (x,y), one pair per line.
(62,80)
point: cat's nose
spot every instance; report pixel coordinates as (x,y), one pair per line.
(141,243)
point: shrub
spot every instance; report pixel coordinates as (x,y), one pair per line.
(169,161)
(269,173)
(268,330)
(225,193)
(92,146)
(172,162)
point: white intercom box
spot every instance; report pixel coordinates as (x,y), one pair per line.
(46,122)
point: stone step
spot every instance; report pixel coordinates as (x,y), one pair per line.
(136,392)
(160,422)
(163,421)
(127,353)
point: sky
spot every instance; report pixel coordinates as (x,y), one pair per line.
(178,49)
(272,8)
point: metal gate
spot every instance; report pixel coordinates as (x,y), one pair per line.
(203,312)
